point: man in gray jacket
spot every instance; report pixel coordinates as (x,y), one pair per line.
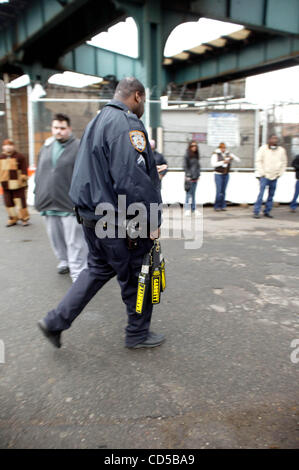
(52,183)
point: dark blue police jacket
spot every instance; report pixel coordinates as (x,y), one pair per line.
(114,158)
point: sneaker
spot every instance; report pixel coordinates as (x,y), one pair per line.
(256,216)
(52,336)
(266,214)
(197,212)
(151,341)
(293,210)
(63,270)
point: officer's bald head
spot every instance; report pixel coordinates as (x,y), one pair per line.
(127,86)
(131,92)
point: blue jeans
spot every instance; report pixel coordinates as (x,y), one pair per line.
(221,183)
(191,195)
(269,203)
(294,203)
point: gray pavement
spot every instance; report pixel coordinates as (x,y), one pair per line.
(223,379)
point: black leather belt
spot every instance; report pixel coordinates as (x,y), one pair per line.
(91,223)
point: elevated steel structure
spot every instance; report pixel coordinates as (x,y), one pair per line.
(42,36)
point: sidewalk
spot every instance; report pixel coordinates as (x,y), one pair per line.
(223,379)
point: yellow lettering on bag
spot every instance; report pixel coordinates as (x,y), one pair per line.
(140,298)
(156,282)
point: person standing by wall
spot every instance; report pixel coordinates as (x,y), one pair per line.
(192,174)
(294,204)
(271,163)
(13,178)
(221,161)
(52,183)
(160,160)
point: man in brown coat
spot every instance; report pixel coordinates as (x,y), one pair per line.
(13,178)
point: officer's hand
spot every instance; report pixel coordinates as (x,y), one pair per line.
(155,234)
(161,168)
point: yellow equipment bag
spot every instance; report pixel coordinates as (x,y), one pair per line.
(152,277)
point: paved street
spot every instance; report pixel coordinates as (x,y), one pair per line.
(224,378)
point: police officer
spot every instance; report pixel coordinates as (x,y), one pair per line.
(114,159)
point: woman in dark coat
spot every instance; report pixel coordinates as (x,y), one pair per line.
(192,173)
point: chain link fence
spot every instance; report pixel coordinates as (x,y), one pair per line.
(242,126)
(237,129)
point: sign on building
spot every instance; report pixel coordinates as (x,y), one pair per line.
(200,137)
(223,127)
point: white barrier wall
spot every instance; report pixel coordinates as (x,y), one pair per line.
(242,188)
(30,194)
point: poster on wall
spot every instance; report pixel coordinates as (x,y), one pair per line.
(200,137)
(223,127)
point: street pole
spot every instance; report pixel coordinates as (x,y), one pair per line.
(30,128)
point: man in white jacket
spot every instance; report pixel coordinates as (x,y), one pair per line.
(271,163)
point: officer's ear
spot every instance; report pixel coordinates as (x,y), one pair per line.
(137,97)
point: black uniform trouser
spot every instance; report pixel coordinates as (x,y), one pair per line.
(107,258)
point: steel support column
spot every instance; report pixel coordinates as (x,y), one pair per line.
(150,50)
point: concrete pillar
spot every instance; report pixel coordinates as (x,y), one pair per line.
(160,139)
(9,125)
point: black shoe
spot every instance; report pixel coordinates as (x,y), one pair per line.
(151,341)
(10,224)
(52,336)
(256,216)
(266,214)
(63,270)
